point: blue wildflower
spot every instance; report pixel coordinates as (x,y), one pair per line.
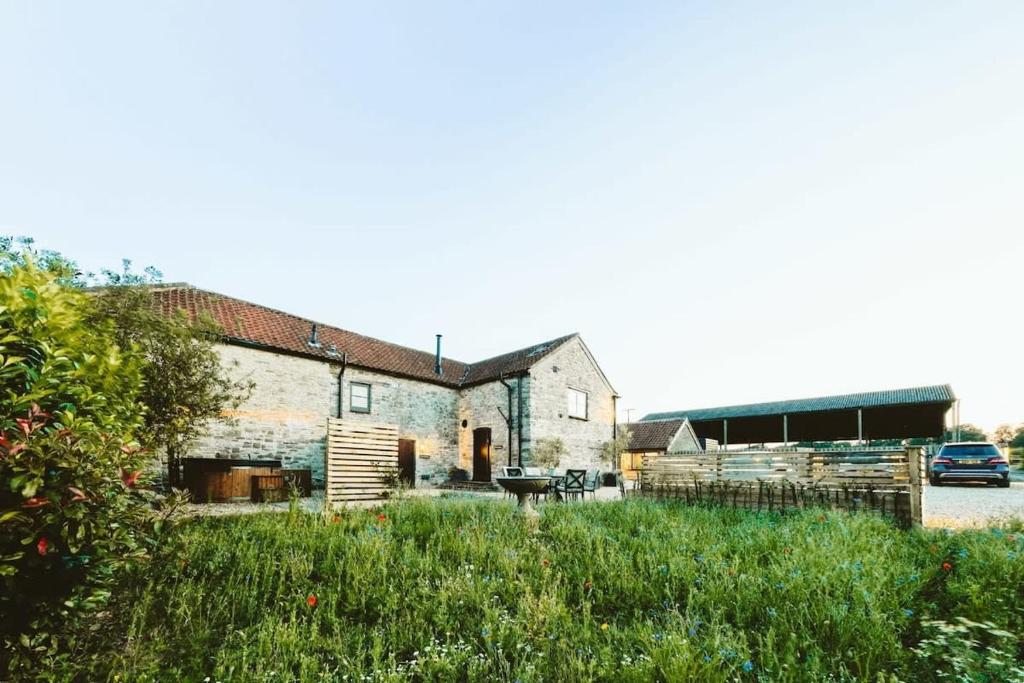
(658,635)
(698,558)
(663,569)
(707,658)
(692,631)
(748,666)
(485,632)
(908,612)
(772,612)
(780,585)
(858,565)
(963,553)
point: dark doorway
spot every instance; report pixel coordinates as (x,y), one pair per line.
(482,454)
(407,462)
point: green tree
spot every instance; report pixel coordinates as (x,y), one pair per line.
(1018,437)
(1002,435)
(185,385)
(968,432)
(547,452)
(71,515)
(612,450)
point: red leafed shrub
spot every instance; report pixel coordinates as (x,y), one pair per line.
(71,512)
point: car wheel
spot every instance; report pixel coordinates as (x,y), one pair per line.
(1004,483)
(934,481)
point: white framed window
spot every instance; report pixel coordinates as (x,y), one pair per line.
(577,404)
(359,397)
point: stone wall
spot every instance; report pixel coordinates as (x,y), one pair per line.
(425,412)
(550,380)
(478,407)
(286,415)
(685,439)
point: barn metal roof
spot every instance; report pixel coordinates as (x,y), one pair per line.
(938,393)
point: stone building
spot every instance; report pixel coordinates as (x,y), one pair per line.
(450,414)
(657,438)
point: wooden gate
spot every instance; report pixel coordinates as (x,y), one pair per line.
(361,461)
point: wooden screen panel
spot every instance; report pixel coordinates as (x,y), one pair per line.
(361,461)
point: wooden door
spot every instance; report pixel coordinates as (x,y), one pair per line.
(407,462)
(482,454)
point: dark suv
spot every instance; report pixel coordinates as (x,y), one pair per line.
(969,462)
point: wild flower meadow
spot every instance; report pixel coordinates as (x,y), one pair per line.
(463,590)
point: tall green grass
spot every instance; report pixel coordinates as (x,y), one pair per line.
(636,591)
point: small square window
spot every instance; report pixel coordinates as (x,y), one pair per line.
(577,404)
(359,397)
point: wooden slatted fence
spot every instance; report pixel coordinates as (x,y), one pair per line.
(361,461)
(886,480)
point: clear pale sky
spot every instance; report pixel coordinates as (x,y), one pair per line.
(732,202)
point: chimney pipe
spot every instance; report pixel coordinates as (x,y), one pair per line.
(437,357)
(313,341)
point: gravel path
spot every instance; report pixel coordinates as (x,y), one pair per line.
(972,505)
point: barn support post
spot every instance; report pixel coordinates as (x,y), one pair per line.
(860,425)
(785,429)
(725,434)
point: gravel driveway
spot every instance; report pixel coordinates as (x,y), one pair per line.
(967,505)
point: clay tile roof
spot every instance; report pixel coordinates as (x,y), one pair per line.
(652,436)
(250,324)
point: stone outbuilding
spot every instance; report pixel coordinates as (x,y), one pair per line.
(656,438)
(450,415)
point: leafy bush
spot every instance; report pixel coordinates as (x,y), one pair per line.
(547,452)
(70,513)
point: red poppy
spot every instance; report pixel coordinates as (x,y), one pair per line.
(947,566)
(77,494)
(311,600)
(35,502)
(26,425)
(42,546)
(381,517)
(545,562)
(130,478)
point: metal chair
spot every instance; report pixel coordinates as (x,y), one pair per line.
(620,481)
(590,483)
(572,485)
